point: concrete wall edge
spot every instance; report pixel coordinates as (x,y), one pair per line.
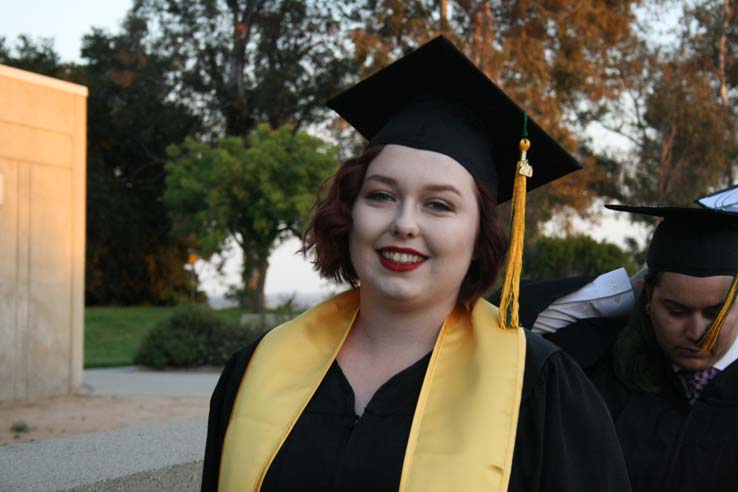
(34,78)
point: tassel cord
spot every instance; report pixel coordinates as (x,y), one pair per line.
(509,301)
(709,338)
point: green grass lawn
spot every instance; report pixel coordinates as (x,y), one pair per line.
(113,334)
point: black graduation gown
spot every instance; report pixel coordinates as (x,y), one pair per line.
(669,445)
(565,440)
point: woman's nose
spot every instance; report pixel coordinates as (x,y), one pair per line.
(405,224)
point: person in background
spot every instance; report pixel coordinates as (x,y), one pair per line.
(667,369)
(409,381)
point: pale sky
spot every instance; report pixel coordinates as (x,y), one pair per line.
(67,21)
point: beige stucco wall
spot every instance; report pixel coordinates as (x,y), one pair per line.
(42,234)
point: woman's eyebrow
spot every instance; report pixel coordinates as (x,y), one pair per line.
(443,187)
(382,179)
(434,187)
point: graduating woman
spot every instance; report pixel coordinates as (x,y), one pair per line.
(409,381)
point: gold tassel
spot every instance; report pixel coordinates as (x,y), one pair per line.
(509,305)
(709,338)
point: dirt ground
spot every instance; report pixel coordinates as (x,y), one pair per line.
(47,418)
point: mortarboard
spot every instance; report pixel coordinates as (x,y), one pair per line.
(700,242)
(436,99)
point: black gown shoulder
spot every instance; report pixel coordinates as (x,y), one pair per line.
(565,439)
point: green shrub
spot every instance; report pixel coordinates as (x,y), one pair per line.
(554,257)
(19,427)
(193,336)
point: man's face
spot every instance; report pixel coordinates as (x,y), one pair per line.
(681,308)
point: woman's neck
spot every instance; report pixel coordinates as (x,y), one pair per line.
(401,328)
(386,338)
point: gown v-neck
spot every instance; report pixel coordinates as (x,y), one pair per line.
(331,448)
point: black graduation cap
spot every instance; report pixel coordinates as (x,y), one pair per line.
(701,242)
(437,99)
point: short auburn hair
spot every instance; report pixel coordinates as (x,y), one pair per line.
(328,232)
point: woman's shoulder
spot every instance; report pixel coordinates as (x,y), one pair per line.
(584,374)
(538,352)
(236,366)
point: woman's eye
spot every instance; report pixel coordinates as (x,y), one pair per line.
(440,206)
(378,196)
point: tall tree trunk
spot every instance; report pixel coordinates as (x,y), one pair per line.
(444,16)
(722,48)
(259,303)
(253,277)
(234,100)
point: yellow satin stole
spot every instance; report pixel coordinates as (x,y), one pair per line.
(463,431)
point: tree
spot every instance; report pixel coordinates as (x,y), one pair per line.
(131,258)
(678,113)
(256,192)
(553,257)
(245,62)
(689,137)
(713,42)
(38,56)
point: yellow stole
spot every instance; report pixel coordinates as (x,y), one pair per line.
(463,431)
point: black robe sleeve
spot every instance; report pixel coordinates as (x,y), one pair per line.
(221,405)
(566,439)
(588,341)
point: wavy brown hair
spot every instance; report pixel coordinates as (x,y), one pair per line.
(328,232)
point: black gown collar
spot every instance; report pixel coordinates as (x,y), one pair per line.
(396,396)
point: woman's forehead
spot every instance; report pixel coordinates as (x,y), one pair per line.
(419,167)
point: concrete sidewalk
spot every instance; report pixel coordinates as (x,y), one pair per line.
(153,457)
(138,381)
(157,457)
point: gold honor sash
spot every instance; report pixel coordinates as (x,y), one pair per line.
(463,431)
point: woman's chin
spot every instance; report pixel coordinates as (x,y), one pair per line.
(400,293)
(396,291)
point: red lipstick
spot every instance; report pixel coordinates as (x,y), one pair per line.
(396,266)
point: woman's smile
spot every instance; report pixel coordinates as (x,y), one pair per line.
(400,259)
